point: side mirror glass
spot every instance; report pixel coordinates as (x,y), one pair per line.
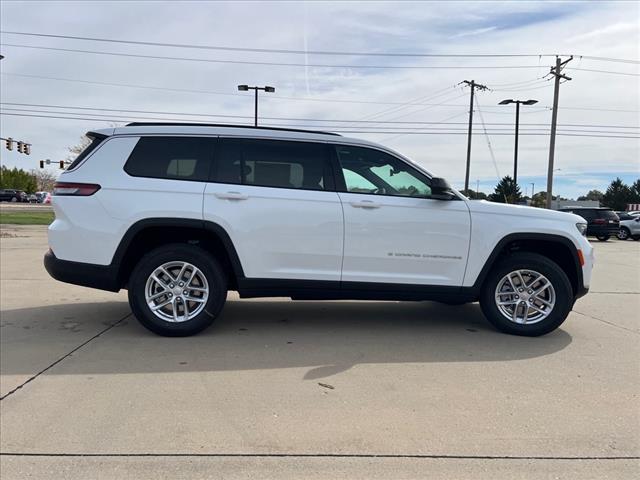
(440,189)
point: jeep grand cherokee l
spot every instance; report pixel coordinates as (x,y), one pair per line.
(179,214)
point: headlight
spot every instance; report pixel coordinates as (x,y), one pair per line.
(582,228)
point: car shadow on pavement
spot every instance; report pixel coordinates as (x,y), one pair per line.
(325,337)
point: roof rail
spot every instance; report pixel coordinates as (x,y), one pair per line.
(225,125)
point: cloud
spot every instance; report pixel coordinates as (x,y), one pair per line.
(477,31)
(616,28)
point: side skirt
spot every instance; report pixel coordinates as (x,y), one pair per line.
(330,290)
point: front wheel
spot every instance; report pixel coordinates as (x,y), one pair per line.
(603,238)
(526,294)
(623,234)
(177,290)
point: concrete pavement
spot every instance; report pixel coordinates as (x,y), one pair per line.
(365,382)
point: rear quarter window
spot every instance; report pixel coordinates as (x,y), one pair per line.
(95,141)
(172,158)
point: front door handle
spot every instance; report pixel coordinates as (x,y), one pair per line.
(365,204)
(232,195)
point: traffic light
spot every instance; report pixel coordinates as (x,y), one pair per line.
(41,163)
(8,142)
(20,147)
(27,148)
(62,164)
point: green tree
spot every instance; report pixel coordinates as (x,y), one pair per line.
(617,196)
(507,191)
(473,195)
(595,195)
(17,179)
(635,191)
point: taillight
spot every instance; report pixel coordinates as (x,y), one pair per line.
(599,221)
(75,189)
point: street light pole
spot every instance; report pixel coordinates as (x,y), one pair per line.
(515,153)
(245,88)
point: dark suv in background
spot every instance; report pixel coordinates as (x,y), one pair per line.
(602,222)
(11,195)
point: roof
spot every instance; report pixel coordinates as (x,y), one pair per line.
(161,128)
(223,125)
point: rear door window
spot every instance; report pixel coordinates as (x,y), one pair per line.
(174,158)
(274,163)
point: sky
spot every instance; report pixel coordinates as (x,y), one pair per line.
(598,118)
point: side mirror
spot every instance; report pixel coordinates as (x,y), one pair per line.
(440,189)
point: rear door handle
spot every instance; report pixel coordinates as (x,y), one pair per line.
(365,204)
(232,195)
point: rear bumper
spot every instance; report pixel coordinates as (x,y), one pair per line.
(103,277)
(595,230)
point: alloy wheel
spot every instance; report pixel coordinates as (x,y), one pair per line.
(525,297)
(176,291)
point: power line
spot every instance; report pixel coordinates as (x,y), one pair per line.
(311,52)
(126,120)
(276,64)
(302,99)
(373,123)
(604,71)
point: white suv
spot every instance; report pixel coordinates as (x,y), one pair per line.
(180,214)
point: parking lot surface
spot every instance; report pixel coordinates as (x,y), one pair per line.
(282,389)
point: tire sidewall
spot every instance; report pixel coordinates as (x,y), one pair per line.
(540,264)
(195,256)
(624,234)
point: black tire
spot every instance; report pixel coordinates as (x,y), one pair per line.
(537,263)
(603,238)
(210,268)
(624,233)
(635,237)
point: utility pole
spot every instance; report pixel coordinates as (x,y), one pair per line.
(557,73)
(473,85)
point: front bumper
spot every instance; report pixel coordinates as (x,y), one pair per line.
(103,277)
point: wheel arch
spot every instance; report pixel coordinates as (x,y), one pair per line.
(150,233)
(557,248)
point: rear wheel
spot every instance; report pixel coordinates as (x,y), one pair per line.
(603,238)
(526,294)
(177,290)
(624,233)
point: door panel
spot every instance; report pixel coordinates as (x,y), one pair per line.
(280,233)
(395,233)
(272,201)
(405,240)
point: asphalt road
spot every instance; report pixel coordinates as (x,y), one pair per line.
(281,389)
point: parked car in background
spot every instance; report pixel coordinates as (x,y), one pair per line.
(11,195)
(47,198)
(602,222)
(41,196)
(32,198)
(629,226)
